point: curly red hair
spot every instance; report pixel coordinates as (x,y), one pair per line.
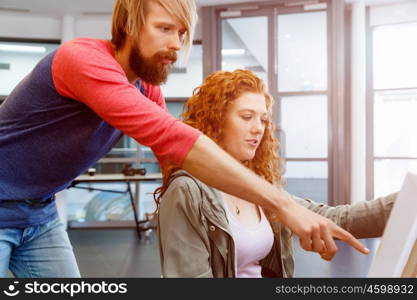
(206,111)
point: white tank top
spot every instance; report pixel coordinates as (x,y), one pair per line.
(251,243)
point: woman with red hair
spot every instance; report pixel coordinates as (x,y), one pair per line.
(207,233)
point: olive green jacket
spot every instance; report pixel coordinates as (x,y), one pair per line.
(195,238)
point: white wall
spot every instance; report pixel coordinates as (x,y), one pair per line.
(97,27)
(394,13)
(20,65)
(31,26)
(24,25)
(358,103)
(34,26)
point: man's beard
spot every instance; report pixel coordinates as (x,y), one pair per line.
(151,70)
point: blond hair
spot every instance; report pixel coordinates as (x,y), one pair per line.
(129,16)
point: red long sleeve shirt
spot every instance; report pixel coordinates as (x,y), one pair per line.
(86,70)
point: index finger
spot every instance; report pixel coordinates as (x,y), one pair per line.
(350,239)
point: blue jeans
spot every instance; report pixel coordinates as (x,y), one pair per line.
(37,252)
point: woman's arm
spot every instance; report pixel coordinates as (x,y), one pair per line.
(183,241)
(364,219)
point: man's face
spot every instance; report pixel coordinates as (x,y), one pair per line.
(152,56)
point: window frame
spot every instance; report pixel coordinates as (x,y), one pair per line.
(338,156)
(371,158)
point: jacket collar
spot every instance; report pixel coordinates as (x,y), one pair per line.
(212,205)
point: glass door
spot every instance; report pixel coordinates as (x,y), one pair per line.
(287,46)
(243,47)
(303,101)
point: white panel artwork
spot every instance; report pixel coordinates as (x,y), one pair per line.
(397,252)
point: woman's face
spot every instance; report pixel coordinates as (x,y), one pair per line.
(244,126)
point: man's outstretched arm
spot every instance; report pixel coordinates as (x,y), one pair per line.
(212,165)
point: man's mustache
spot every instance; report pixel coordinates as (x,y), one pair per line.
(170,55)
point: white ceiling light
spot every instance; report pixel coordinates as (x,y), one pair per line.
(21,48)
(230,52)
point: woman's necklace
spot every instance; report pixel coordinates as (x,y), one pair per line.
(237,207)
(232,201)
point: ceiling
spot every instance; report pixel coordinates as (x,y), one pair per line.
(92,7)
(97,7)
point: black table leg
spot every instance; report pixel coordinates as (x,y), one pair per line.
(135,211)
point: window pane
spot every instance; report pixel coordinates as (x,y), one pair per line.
(17,60)
(148,159)
(390,174)
(185,77)
(126,147)
(175,108)
(124,152)
(395,123)
(395,64)
(245,48)
(307,180)
(302,52)
(304,120)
